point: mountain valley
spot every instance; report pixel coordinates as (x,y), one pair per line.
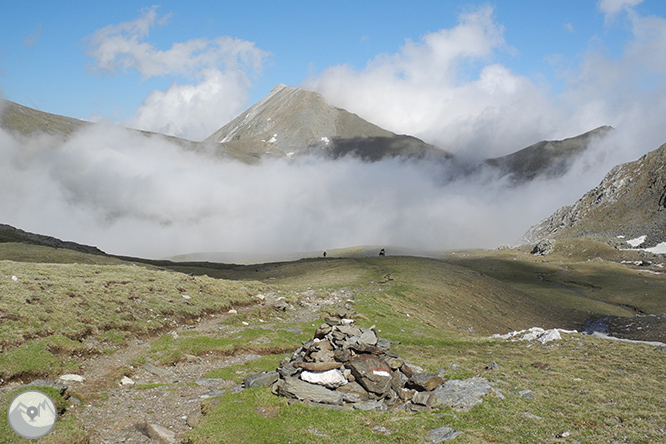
(147,350)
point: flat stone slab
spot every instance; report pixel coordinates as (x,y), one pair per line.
(304,391)
(260,379)
(462,395)
(442,434)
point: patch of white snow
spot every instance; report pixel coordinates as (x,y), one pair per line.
(273,139)
(535,333)
(658,249)
(636,242)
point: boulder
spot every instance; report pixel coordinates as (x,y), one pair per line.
(372,372)
(424,381)
(260,379)
(331,378)
(355,390)
(462,395)
(442,434)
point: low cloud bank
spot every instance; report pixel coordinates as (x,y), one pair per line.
(133,195)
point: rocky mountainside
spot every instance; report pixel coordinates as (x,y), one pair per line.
(292,121)
(548,158)
(630,201)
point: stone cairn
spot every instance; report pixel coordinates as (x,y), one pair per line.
(347,366)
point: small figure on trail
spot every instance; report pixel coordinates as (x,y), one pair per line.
(324,254)
(382,252)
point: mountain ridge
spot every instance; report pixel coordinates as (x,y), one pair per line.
(292,121)
(630,201)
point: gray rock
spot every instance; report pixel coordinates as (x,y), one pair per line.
(544,247)
(423,398)
(349,330)
(294,330)
(304,391)
(442,434)
(62,388)
(353,392)
(213,394)
(368,337)
(526,394)
(158,371)
(215,382)
(287,370)
(159,434)
(372,372)
(492,365)
(371,405)
(194,418)
(531,415)
(260,379)
(384,344)
(462,395)
(424,381)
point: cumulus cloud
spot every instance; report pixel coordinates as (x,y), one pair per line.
(613,7)
(211,76)
(449,89)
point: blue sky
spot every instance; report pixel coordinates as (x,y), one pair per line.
(51,59)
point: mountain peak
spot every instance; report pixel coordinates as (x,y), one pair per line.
(291,121)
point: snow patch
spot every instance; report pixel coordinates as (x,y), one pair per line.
(636,242)
(273,139)
(657,249)
(325,140)
(535,333)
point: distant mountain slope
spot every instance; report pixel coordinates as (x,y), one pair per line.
(11,234)
(548,158)
(292,121)
(21,119)
(630,202)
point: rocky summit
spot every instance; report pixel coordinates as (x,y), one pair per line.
(292,121)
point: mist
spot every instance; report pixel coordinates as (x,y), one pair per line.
(129,194)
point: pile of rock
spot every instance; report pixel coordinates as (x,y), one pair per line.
(348,366)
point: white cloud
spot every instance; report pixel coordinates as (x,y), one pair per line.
(447,90)
(211,77)
(613,7)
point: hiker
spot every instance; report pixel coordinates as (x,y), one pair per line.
(382,252)
(324,254)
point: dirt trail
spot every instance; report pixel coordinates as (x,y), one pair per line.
(114,413)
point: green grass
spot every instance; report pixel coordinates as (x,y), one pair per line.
(169,350)
(599,390)
(435,310)
(48,311)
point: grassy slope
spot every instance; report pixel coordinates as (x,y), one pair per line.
(55,310)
